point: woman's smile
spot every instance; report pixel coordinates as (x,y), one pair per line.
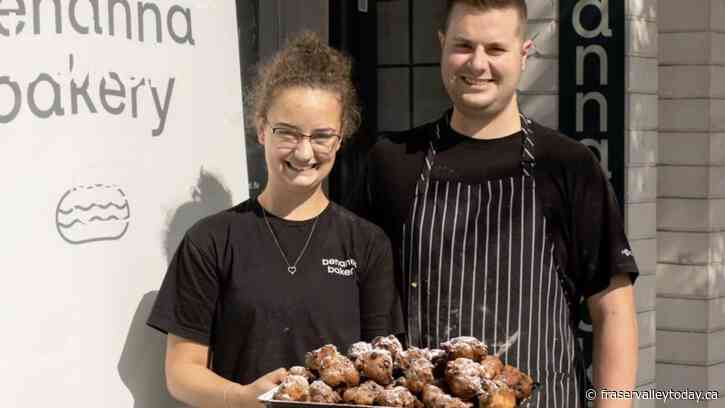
(300,167)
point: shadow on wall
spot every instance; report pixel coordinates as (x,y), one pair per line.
(141,366)
(142,361)
(209,196)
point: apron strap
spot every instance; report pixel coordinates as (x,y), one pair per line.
(528,161)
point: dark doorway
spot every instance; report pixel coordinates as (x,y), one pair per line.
(353,29)
(248,31)
(396,52)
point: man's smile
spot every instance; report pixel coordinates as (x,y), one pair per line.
(477,82)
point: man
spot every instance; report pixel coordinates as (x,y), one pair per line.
(502,226)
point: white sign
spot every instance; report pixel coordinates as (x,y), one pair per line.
(120,126)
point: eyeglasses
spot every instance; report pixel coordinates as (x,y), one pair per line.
(321,142)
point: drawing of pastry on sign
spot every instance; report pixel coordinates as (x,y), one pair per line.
(92,213)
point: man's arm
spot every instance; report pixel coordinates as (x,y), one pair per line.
(614,326)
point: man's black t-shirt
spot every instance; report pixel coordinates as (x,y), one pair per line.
(579,204)
(228,287)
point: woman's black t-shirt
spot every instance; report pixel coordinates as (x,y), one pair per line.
(228,287)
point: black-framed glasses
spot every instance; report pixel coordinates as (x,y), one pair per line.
(321,142)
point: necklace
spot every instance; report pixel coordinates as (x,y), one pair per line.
(293,267)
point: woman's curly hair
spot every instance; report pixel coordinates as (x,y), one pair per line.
(306,61)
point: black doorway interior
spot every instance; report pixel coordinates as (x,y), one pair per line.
(395,47)
(353,30)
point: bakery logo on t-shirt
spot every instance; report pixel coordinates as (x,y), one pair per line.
(338,267)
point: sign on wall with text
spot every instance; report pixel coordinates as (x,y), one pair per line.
(120,126)
(591,81)
(592,97)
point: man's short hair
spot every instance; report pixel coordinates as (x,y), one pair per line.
(518,5)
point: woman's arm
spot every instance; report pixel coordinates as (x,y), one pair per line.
(191,382)
(380,309)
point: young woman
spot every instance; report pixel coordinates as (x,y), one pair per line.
(253,288)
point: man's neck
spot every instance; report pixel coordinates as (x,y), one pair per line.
(496,126)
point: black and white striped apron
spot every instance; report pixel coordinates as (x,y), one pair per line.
(479,261)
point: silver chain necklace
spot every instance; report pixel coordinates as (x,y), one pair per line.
(290,268)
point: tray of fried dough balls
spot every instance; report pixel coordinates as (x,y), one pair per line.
(460,374)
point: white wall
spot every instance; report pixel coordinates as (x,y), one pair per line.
(75,297)
(641,136)
(691,199)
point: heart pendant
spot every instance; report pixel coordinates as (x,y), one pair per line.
(291,270)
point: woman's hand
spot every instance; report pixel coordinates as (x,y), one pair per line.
(246,395)
(190,381)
